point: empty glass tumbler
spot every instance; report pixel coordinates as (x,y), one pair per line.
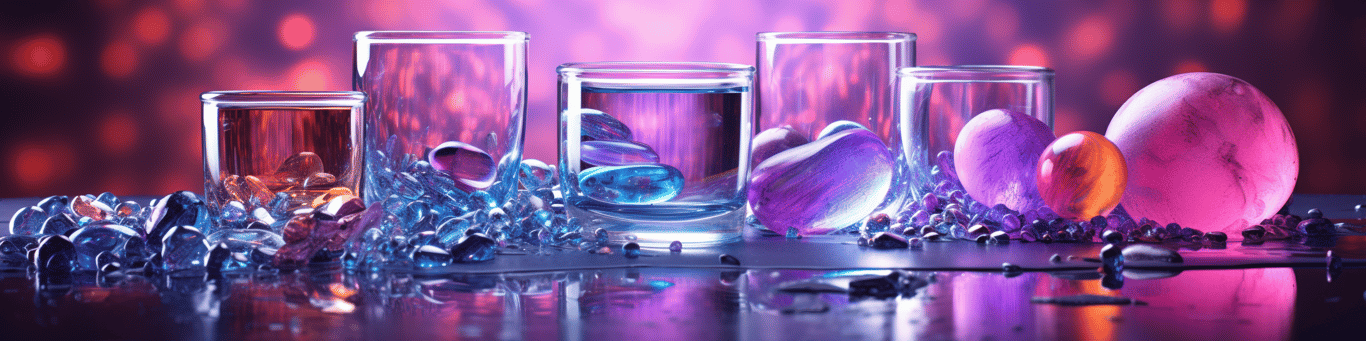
(656,151)
(280,150)
(446,114)
(815,82)
(937,101)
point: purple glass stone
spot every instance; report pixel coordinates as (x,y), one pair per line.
(773,141)
(600,126)
(472,168)
(824,185)
(617,153)
(183,248)
(838,126)
(996,156)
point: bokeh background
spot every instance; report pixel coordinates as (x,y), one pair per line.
(102,95)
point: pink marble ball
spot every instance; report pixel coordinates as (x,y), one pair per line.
(995,155)
(1205,150)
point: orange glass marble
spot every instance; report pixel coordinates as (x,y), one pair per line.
(1081,175)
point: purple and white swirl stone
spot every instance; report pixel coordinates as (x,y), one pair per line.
(828,184)
(995,156)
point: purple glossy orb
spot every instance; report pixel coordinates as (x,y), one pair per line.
(824,185)
(996,154)
(471,167)
(1206,151)
(773,141)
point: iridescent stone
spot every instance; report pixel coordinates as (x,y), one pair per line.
(536,174)
(631,185)
(58,224)
(474,248)
(176,209)
(299,167)
(27,221)
(616,153)
(996,155)
(773,141)
(828,184)
(472,168)
(55,254)
(597,125)
(184,248)
(88,206)
(838,126)
(1081,175)
(1205,150)
(92,240)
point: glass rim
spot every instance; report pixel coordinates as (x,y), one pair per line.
(283,98)
(441,37)
(831,37)
(644,67)
(977,69)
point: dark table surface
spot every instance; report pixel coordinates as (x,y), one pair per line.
(1276,290)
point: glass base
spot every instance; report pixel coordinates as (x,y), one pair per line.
(721,227)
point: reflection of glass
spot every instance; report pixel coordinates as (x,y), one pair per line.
(808,80)
(429,88)
(656,150)
(936,101)
(260,144)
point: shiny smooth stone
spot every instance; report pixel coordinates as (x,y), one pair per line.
(887,240)
(58,224)
(430,256)
(184,248)
(320,180)
(1081,175)
(631,185)
(1145,252)
(1206,141)
(772,141)
(631,250)
(54,204)
(600,126)
(536,174)
(245,240)
(824,185)
(617,153)
(27,221)
(996,155)
(176,209)
(89,206)
(676,246)
(838,126)
(299,167)
(472,168)
(474,248)
(92,240)
(55,253)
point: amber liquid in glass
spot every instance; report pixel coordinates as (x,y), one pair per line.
(311,154)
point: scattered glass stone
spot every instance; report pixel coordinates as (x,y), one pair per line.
(1011,268)
(297,168)
(1316,227)
(1112,237)
(597,125)
(729,260)
(1334,266)
(793,233)
(878,222)
(474,248)
(27,221)
(1055,258)
(88,206)
(631,185)
(54,205)
(1315,213)
(1144,252)
(58,224)
(176,209)
(1216,237)
(600,235)
(431,256)
(91,241)
(915,243)
(631,250)
(472,168)
(932,236)
(884,240)
(999,237)
(55,254)
(1112,258)
(184,248)
(676,246)
(536,174)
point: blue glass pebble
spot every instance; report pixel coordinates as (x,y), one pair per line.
(27,221)
(676,246)
(58,224)
(474,248)
(430,256)
(184,248)
(597,125)
(535,174)
(631,250)
(90,241)
(55,254)
(631,185)
(54,204)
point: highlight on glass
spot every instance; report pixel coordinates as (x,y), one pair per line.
(280,150)
(656,152)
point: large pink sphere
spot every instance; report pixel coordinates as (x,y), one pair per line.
(995,155)
(1205,150)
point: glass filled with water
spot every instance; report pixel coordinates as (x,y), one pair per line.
(280,150)
(446,113)
(656,152)
(937,101)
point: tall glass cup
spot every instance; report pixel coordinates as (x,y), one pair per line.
(808,81)
(937,101)
(656,151)
(446,112)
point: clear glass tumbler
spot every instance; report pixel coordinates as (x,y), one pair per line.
(656,151)
(447,111)
(810,80)
(280,150)
(936,101)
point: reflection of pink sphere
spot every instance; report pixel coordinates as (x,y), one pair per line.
(1248,304)
(995,156)
(1205,150)
(1081,175)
